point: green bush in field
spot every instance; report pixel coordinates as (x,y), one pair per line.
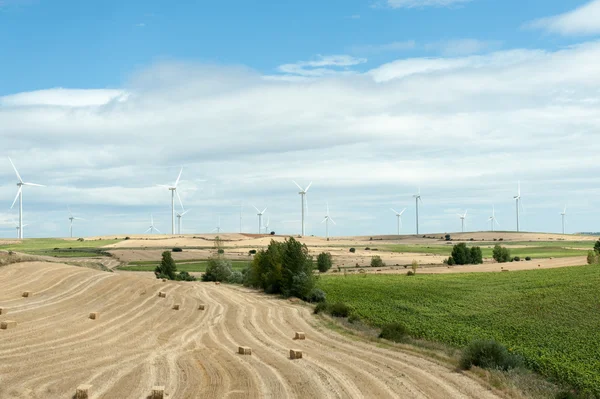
(501,254)
(324,262)
(316,295)
(394,332)
(597,247)
(217,269)
(463,255)
(236,277)
(167,267)
(488,355)
(339,310)
(376,261)
(321,307)
(592,258)
(184,276)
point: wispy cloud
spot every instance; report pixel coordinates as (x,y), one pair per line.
(424,3)
(384,48)
(460,47)
(322,65)
(582,21)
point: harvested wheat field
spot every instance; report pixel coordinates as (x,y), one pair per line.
(139,342)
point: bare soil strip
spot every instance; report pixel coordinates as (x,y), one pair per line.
(138,341)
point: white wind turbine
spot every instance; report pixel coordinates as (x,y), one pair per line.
(218,228)
(518,204)
(179,217)
(563,215)
(462,220)
(152,228)
(326,220)
(173,190)
(417,198)
(492,219)
(71,218)
(302,193)
(18,228)
(260,214)
(267,225)
(20,184)
(399,216)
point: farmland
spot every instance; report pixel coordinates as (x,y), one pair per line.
(534,250)
(198,266)
(551,317)
(56,247)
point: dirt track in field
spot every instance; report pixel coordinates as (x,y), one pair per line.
(139,341)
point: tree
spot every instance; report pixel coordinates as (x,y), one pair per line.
(376,261)
(501,254)
(167,267)
(476,256)
(324,262)
(414,266)
(461,254)
(217,269)
(592,258)
(597,247)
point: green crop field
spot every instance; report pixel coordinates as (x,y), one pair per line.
(60,248)
(551,317)
(534,251)
(187,267)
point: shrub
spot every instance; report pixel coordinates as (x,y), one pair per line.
(597,247)
(414,266)
(353,250)
(353,318)
(501,254)
(517,259)
(376,261)
(450,261)
(272,233)
(220,251)
(177,250)
(252,252)
(184,276)
(410,273)
(127,238)
(321,307)
(339,310)
(217,269)
(80,239)
(528,258)
(592,258)
(488,355)
(324,262)
(167,267)
(236,277)
(316,295)
(394,332)
(501,239)
(471,239)
(447,237)
(367,249)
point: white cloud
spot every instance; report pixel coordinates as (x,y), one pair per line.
(424,3)
(322,65)
(584,20)
(459,47)
(465,129)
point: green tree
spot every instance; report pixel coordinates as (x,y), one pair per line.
(376,261)
(597,247)
(592,258)
(414,266)
(461,254)
(217,269)
(324,262)
(476,256)
(167,267)
(501,254)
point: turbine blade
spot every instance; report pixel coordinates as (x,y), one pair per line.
(332,221)
(327,203)
(181,214)
(33,184)
(393,210)
(308,187)
(402,211)
(162,185)
(178,177)
(264,210)
(16,171)
(70,213)
(149,229)
(18,193)
(179,198)
(157,230)
(257,210)
(301,189)
(323,220)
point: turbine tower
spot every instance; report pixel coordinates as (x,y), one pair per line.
(179,216)
(492,219)
(71,218)
(260,218)
(152,228)
(399,216)
(326,220)
(19,195)
(267,225)
(462,220)
(302,193)
(218,228)
(173,190)
(417,198)
(518,203)
(18,228)
(563,214)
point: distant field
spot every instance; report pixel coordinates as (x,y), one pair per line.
(536,250)
(551,317)
(181,266)
(60,248)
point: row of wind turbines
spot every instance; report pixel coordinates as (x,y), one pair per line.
(304,209)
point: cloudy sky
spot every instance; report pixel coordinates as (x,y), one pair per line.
(368,99)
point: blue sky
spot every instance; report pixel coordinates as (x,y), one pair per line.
(101,101)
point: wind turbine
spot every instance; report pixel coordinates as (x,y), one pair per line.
(241,210)
(563,214)
(399,216)
(179,216)
(71,218)
(417,198)
(518,203)
(326,220)
(173,190)
(260,218)
(218,228)
(267,225)
(20,184)
(492,219)
(152,228)
(18,228)
(302,193)
(462,220)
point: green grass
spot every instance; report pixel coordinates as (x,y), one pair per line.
(551,317)
(36,244)
(534,251)
(188,267)
(156,262)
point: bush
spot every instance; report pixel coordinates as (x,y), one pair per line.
(414,266)
(316,295)
(184,276)
(488,355)
(367,249)
(252,252)
(353,250)
(528,258)
(339,310)
(324,262)
(220,251)
(127,238)
(376,261)
(167,267)
(394,332)
(501,254)
(177,250)
(450,261)
(217,269)
(80,239)
(447,237)
(461,254)
(353,318)
(517,259)
(597,247)
(321,307)
(410,273)
(592,258)
(236,277)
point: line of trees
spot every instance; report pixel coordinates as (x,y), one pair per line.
(463,255)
